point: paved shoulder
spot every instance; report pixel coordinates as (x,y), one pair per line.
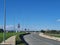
(35,39)
(49,37)
(10,40)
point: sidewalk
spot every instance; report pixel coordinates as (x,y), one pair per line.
(10,41)
(49,37)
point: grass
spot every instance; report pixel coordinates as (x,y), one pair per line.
(10,34)
(19,40)
(7,36)
(1,37)
(55,35)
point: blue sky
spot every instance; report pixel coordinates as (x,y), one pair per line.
(32,14)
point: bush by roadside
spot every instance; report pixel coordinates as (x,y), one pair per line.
(20,40)
(7,36)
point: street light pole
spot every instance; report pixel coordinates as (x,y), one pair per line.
(4,20)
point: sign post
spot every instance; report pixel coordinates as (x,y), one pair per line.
(18,27)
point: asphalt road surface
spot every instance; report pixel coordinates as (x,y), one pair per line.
(35,39)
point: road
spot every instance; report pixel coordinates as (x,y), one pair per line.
(35,39)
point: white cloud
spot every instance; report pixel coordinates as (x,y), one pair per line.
(1,26)
(58,20)
(8,27)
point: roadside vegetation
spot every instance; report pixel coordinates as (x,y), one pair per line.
(9,34)
(19,38)
(55,33)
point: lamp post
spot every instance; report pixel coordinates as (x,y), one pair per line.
(4,20)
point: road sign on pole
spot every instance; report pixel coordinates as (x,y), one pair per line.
(19,27)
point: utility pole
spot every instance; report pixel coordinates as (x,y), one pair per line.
(14,22)
(4,21)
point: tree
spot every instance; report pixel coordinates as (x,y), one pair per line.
(42,31)
(1,30)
